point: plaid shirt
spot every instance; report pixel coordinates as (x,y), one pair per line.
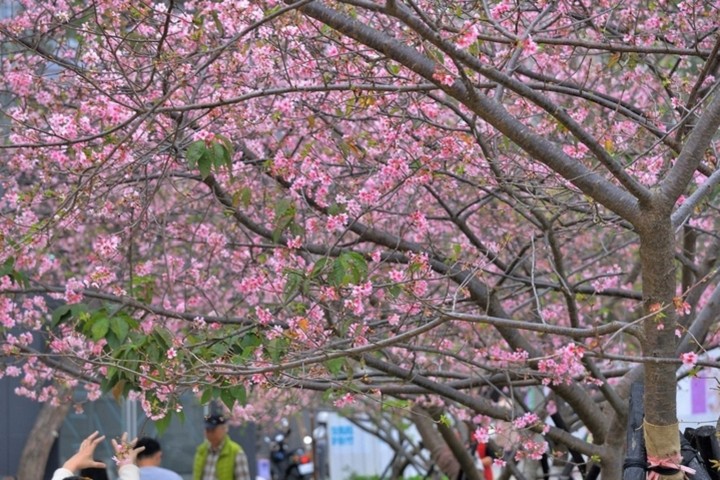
(242,469)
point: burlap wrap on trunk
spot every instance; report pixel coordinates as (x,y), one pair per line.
(663,442)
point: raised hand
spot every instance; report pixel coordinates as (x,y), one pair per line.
(125,453)
(84,456)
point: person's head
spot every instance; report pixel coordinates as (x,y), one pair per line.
(94,473)
(152,455)
(215,429)
(83,476)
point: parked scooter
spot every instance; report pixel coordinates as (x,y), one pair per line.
(286,464)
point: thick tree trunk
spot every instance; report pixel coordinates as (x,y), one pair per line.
(659,285)
(440,452)
(611,466)
(40,441)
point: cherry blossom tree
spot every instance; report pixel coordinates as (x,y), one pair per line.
(424,204)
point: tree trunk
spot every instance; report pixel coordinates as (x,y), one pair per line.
(659,285)
(40,441)
(440,452)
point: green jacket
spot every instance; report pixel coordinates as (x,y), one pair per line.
(225,468)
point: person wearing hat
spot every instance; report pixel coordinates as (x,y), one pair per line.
(218,457)
(149,461)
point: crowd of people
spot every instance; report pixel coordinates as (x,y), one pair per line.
(217,458)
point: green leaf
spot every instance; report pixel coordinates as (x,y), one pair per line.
(227,398)
(336,208)
(251,340)
(113,341)
(244,351)
(356,262)
(437,55)
(109,380)
(8,267)
(218,155)
(162,424)
(633,60)
(100,328)
(319,267)
(337,274)
(228,157)
(328,395)
(220,348)
(61,314)
(120,328)
(293,283)
(349,107)
(228,150)
(395,403)
(335,365)
(218,24)
(456,251)
(225,141)
(195,151)
(206,396)
(276,349)
(236,393)
(246,196)
(284,208)
(163,338)
(205,164)
(21,278)
(393,68)
(349,268)
(307,148)
(142,287)
(284,216)
(239,394)
(142,280)
(247,347)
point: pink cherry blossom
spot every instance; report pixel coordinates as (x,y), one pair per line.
(689,359)
(210,195)
(344,401)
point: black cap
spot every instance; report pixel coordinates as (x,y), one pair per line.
(212,421)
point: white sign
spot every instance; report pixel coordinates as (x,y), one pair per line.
(353,451)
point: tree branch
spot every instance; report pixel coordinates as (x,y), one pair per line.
(692,153)
(538,147)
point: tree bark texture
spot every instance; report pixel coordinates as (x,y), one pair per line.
(659,285)
(40,441)
(440,452)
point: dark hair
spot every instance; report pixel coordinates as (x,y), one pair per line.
(93,473)
(151,445)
